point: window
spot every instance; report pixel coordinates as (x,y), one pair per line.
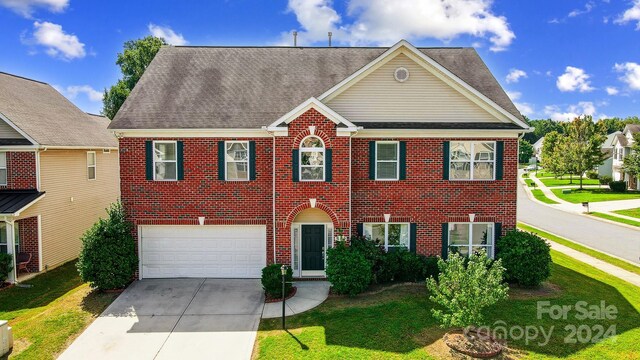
(468,238)
(106,151)
(4,246)
(237,160)
(165,160)
(91,165)
(472,160)
(312,159)
(387,167)
(388,234)
(3,168)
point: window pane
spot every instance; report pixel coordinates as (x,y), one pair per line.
(485,249)
(481,234)
(3,160)
(166,171)
(3,176)
(165,151)
(312,173)
(460,170)
(91,158)
(312,142)
(398,235)
(483,151)
(237,151)
(91,172)
(3,249)
(462,250)
(312,158)
(237,171)
(377,233)
(483,170)
(387,170)
(387,151)
(460,151)
(459,234)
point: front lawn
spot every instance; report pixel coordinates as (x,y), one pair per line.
(540,196)
(565,181)
(595,195)
(616,219)
(47,317)
(397,323)
(629,212)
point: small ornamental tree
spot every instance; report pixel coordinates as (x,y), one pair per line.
(6,265)
(108,256)
(465,287)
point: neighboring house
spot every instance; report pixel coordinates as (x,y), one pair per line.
(537,149)
(58,173)
(621,148)
(606,168)
(236,157)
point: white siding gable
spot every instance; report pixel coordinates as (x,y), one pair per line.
(7,132)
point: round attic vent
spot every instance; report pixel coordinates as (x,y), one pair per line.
(401,74)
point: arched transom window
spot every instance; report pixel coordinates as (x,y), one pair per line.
(312,159)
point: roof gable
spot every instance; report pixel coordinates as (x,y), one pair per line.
(309,104)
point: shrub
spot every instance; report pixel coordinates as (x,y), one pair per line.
(408,266)
(272,280)
(605,179)
(618,186)
(6,265)
(592,174)
(108,256)
(348,270)
(526,258)
(465,287)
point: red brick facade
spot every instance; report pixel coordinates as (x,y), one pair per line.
(28,232)
(21,170)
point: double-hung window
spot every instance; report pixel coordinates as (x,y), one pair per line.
(469,238)
(237,160)
(312,159)
(472,160)
(165,160)
(3,168)
(387,160)
(91,165)
(389,235)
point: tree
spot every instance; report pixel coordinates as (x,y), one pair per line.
(541,129)
(133,61)
(552,159)
(631,162)
(582,147)
(525,151)
(465,290)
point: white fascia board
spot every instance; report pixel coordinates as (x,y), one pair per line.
(437,133)
(315,104)
(449,76)
(192,133)
(24,134)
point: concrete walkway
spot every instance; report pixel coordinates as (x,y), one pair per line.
(309,294)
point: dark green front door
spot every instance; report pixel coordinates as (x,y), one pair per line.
(312,247)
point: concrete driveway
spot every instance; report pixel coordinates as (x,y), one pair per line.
(176,319)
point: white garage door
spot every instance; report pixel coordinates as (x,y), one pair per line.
(203,251)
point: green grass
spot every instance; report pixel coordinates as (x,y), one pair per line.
(538,194)
(530,183)
(525,175)
(595,195)
(397,323)
(553,182)
(616,219)
(583,249)
(629,212)
(47,317)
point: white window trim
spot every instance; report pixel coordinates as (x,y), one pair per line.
(94,166)
(490,237)
(472,161)
(226,160)
(397,160)
(5,168)
(175,143)
(324,159)
(386,233)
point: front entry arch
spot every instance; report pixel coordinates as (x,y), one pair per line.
(311,236)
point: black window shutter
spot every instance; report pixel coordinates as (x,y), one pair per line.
(221,151)
(445,160)
(499,159)
(328,163)
(149,159)
(294,165)
(372,160)
(497,228)
(413,235)
(252,160)
(180,159)
(445,240)
(403,160)
(360,229)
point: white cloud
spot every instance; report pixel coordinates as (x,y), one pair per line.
(376,22)
(515,75)
(27,7)
(525,109)
(587,9)
(554,112)
(73,91)
(631,74)
(611,90)
(574,79)
(165,32)
(630,15)
(57,42)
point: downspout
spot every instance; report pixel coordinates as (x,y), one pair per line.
(273,191)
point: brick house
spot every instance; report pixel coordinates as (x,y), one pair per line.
(58,174)
(235,157)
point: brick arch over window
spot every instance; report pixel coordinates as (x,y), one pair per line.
(319,133)
(306,205)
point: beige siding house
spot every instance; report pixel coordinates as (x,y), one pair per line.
(59,171)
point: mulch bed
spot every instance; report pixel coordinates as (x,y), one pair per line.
(269,299)
(5,285)
(474,344)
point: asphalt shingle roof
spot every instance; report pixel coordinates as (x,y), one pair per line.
(249,87)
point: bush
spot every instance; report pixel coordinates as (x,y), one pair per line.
(108,256)
(605,179)
(402,265)
(348,270)
(525,256)
(272,280)
(6,265)
(592,174)
(618,186)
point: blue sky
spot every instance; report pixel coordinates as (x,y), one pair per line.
(555,58)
